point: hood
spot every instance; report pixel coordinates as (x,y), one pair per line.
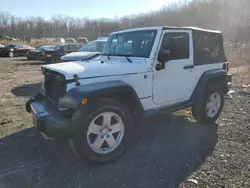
(35,51)
(49,51)
(78,56)
(97,68)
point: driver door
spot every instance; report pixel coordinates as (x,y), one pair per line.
(18,49)
(174,83)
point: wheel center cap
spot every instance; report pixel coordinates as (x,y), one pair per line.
(105,131)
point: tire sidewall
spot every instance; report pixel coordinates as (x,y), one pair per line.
(80,141)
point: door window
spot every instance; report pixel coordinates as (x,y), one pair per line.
(177,44)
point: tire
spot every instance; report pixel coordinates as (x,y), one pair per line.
(95,139)
(211,105)
(53,60)
(11,54)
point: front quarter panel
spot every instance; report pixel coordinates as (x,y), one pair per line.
(73,97)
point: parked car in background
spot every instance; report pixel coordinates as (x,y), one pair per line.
(53,55)
(82,40)
(59,40)
(37,53)
(5,37)
(102,38)
(12,50)
(89,51)
(70,40)
(1,45)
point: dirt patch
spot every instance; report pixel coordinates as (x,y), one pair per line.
(170,151)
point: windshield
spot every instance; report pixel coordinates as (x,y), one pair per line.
(134,43)
(45,48)
(93,46)
(57,47)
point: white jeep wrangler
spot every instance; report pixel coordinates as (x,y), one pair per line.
(93,103)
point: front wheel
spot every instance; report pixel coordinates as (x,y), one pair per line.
(104,135)
(11,54)
(211,105)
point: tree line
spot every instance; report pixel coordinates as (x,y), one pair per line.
(230,16)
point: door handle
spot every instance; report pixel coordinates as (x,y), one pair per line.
(188,67)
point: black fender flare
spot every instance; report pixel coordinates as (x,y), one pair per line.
(74,96)
(214,76)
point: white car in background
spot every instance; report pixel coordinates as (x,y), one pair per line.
(83,40)
(59,40)
(70,40)
(89,51)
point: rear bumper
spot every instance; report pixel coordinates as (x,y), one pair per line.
(48,120)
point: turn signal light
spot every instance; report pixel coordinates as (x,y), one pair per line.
(84,101)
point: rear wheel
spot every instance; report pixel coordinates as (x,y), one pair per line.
(211,105)
(105,133)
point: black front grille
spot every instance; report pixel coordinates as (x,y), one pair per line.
(55,85)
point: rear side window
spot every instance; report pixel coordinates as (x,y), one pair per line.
(177,44)
(208,48)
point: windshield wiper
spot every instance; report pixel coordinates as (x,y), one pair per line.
(108,55)
(126,56)
(128,59)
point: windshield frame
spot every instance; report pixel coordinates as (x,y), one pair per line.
(108,46)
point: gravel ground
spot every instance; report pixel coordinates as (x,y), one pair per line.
(171,151)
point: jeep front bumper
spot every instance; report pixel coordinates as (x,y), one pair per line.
(48,120)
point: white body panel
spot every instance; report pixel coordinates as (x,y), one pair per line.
(174,83)
(142,86)
(99,68)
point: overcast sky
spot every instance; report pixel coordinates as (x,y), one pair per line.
(80,8)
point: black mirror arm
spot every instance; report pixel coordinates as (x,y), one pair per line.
(160,66)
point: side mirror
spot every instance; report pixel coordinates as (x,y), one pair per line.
(164,56)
